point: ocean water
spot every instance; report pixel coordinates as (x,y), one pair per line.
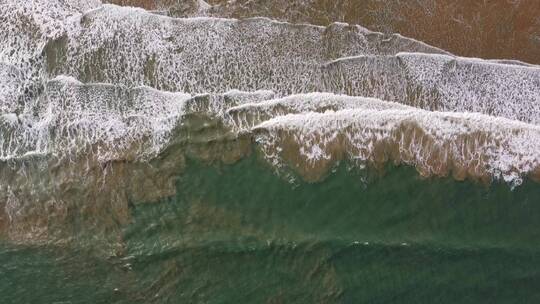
(240,233)
(146,158)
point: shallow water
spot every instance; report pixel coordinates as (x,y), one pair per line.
(240,233)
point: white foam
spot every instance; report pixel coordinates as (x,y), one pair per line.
(73,118)
(315,101)
(427,140)
(27,27)
(133,47)
(441,82)
(246,116)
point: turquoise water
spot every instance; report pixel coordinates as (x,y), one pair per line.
(241,234)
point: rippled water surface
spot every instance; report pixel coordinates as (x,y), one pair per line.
(164,152)
(239,233)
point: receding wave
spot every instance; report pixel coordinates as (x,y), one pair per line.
(450,26)
(134,47)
